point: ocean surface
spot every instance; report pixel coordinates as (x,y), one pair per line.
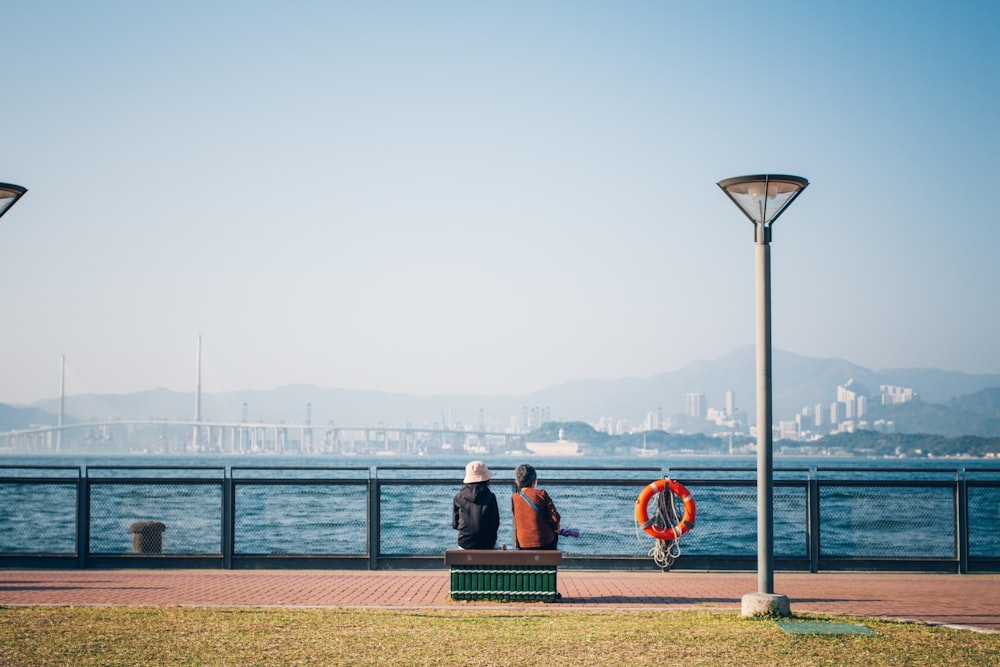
(301,505)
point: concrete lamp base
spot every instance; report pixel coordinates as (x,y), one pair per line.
(766,604)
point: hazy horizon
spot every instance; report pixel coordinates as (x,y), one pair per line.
(208,391)
(448,199)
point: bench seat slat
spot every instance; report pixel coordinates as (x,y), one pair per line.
(502,557)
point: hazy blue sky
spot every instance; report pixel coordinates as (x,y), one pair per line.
(465,197)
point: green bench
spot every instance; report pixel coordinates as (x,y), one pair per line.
(509,576)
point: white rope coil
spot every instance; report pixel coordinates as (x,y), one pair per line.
(664,552)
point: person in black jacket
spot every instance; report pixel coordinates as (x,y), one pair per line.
(474,512)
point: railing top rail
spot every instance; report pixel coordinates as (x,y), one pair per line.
(888,483)
(737,468)
(4,468)
(884,470)
(503,466)
(161,481)
(500,470)
(498,482)
(436,467)
(101,472)
(300,473)
(694,482)
(247,482)
(153,467)
(991,469)
(353,468)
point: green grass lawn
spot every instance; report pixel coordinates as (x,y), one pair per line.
(253,636)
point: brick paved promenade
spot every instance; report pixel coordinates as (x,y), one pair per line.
(971,600)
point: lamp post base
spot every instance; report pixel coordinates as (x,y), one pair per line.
(766,604)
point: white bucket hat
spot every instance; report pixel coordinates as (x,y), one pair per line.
(476,471)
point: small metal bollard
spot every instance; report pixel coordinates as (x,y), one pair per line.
(147,537)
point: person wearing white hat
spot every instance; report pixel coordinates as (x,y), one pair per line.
(474,512)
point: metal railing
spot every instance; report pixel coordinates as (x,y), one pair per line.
(920,519)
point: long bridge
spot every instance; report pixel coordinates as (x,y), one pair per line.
(199,436)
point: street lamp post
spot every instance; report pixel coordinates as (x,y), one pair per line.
(763,198)
(9,194)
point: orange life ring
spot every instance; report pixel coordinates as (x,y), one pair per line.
(661,532)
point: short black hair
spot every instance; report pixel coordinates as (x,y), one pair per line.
(524,476)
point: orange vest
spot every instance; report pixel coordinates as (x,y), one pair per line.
(534,529)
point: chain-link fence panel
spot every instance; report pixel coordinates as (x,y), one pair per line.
(887,521)
(416,518)
(984,519)
(726,522)
(790,522)
(301,519)
(37,517)
(605,517)
(190,515)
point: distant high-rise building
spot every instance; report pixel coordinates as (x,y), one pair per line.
(834,414)
(652,421)
(892,395)
(854,397)
(730,404)
(788,430)
(695,405)
(819,414)
(803,422)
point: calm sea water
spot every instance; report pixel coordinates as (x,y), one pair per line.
(302,516)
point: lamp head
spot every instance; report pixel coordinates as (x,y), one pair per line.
(9,194)
(763,197)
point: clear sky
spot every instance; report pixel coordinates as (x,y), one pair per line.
(490,198)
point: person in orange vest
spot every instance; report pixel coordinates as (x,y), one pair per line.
(536,520)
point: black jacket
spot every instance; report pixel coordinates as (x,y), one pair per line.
(476,516)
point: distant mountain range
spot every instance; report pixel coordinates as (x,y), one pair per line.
(948,400)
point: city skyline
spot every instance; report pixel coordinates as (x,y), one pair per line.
(847,414)
(241,421)
(447,200)
(704,389)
